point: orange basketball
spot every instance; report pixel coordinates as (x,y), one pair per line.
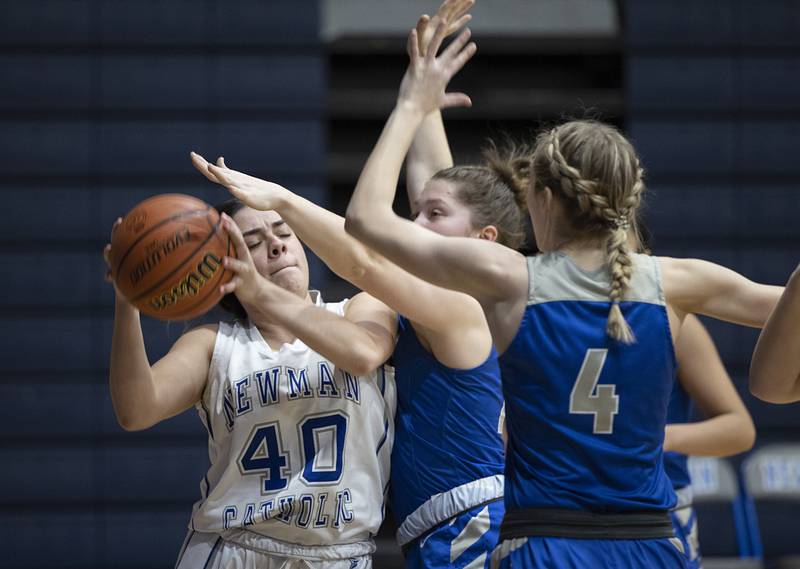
(166,257)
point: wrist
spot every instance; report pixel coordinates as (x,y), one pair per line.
(283,197)
(410,109)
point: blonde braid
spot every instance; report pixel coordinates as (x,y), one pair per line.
(593,200)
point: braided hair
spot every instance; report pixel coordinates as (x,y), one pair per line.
(596,173)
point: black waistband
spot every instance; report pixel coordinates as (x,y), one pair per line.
(577,524)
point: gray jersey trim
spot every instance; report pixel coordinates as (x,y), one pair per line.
(441,507)
(554,277)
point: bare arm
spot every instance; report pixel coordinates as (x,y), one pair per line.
(358,342)
(143,395)
(695,286)
(476,267)
(430,152)
(728,428)
(775,369)
(451,318)
(318,228)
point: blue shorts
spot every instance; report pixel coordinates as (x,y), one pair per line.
(684,520)
(464,542)
(564,553)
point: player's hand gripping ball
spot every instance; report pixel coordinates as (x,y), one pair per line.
(166,257)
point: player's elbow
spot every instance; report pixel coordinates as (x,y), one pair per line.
(131,419)
(355,224)
(132,423)
(364,360)
(747,434)
(770,390)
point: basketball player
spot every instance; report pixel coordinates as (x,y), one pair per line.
(299,442)
(775,369)
(584,330)
(447,463)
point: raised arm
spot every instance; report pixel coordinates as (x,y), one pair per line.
(701,287)
(728,428)
(441,311)
(430,152)
(143,395)
(775,369)
(358,342)
(477,267)
(320,229)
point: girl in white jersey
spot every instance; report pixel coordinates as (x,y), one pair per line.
(299,443)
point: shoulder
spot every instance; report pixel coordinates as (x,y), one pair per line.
(202,336)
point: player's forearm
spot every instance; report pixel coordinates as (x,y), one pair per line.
(724,435)
(347,345)
(323,232)
(775,368)
(130,377)
(370,217)
(429,153)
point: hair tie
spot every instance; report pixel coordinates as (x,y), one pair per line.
(621,222)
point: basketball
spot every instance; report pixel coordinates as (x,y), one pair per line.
(166,257)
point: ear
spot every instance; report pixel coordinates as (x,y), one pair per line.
(490,233)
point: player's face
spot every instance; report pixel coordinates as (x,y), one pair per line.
(440,210)
(277,252)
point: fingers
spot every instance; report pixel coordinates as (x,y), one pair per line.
(436,42)
(106,253)
(461,59)
(422,26)
(242,253)
(455,100)
(413,46)
(117,223)
(460,23)
(456,46)
(231,285)
(202,165)
(221,162)
(220,175)
(235,265)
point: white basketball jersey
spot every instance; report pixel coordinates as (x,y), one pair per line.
(299,449)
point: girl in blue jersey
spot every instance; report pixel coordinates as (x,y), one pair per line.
(726,430)
(775,370)
(447,462)
(585,331)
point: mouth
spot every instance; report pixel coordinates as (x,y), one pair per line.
(279,269)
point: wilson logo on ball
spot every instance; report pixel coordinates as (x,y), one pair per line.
(189,285)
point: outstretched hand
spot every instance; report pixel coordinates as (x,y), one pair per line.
(423,86)
(452,13)
(253,192)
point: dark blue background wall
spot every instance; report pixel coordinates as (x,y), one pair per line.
(713,92)
(100,103)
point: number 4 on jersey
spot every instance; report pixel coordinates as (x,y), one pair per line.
(587,397)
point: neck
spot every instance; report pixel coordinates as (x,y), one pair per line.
(587,254)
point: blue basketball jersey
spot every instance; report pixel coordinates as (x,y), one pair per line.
(448,454)
(675,463)
(585,414)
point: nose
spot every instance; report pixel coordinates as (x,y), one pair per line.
(276,248)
